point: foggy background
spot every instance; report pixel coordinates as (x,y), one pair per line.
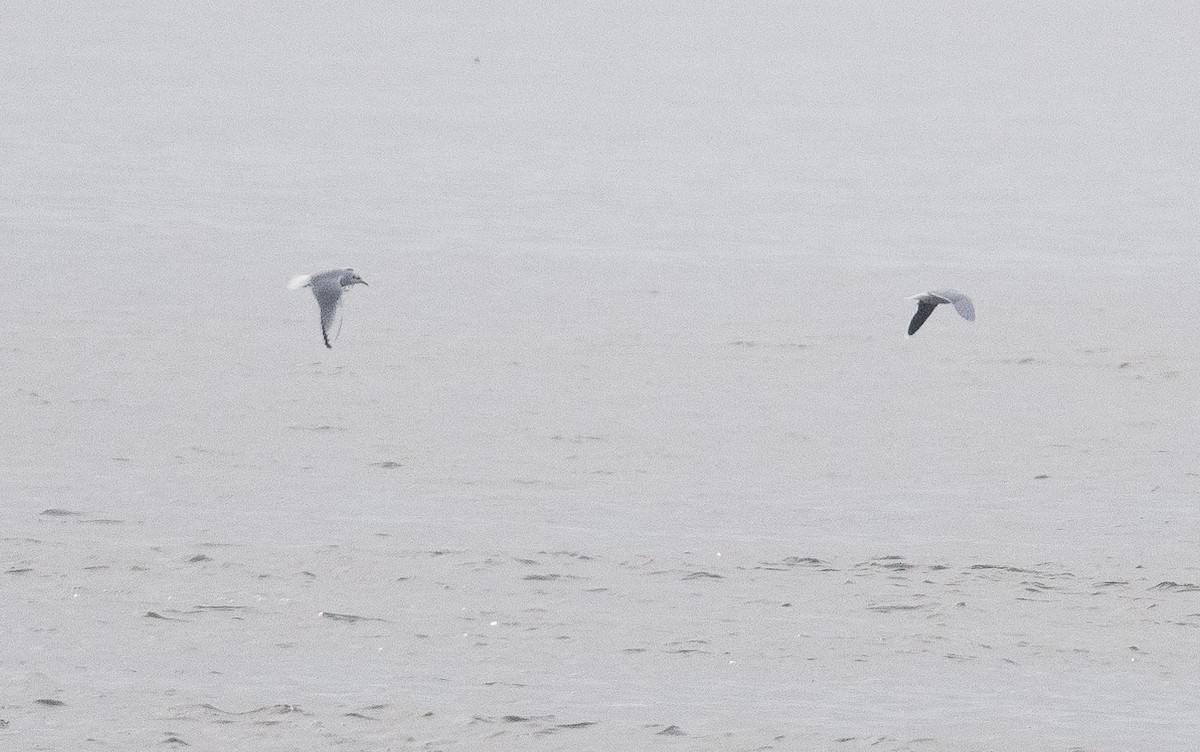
(637,281)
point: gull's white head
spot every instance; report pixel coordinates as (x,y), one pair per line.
(351,278)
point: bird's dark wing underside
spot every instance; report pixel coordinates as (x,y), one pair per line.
(327,297)
(923,311)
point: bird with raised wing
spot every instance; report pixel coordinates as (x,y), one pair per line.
(327,289)
(927,301)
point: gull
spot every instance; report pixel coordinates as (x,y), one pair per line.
(327,289)
(927,301)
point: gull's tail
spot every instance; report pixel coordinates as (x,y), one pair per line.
(301,281)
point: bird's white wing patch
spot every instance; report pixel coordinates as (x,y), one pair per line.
(298,282)
(961,302)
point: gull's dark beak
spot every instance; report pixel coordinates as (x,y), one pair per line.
(364,282)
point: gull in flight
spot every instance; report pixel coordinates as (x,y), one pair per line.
(327,289)
(927,301)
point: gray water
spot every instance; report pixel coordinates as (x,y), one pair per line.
(638,282)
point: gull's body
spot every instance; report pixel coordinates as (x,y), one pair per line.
(327,289)
(927,301)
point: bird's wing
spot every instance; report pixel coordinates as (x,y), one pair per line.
(923,311)
(961,302)
(328,296)
(965,308)
(298,282)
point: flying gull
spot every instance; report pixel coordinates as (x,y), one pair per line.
(927,301)
(327,289)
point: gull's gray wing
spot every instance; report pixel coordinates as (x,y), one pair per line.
(961,302)
(923,311)
(328,294)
